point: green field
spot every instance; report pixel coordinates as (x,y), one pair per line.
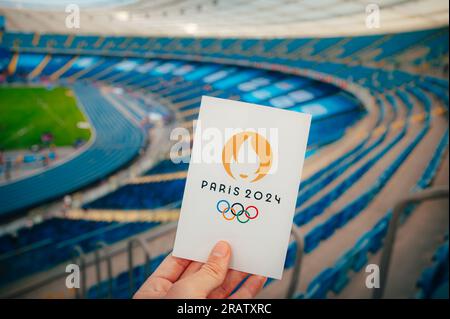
(26,113)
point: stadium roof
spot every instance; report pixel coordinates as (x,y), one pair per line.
(224,18)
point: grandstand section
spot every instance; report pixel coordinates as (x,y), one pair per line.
(216,18)
(379,106)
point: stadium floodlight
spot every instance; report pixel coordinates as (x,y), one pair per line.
(191,28)
(122,16)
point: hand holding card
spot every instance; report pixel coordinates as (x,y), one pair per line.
(242,184)
(178,278)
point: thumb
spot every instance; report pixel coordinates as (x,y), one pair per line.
(213,272)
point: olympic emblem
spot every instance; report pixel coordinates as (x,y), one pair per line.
(260,146)
(241,214)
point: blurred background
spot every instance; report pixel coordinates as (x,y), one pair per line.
(90,91)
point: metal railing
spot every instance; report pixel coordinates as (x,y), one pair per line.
(295,280)
(103,247)
(296,234)
(80,259)
(140,242)
(399,208)
(104,252)
(88,260)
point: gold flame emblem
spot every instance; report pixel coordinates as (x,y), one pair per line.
(258,144)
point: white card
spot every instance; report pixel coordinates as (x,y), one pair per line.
(242,184)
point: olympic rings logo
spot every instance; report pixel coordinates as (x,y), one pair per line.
(243,215)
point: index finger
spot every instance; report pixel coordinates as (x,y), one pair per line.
(171,268)
(250,288)
(157,285)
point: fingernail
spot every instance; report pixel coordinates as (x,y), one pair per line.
(221,249)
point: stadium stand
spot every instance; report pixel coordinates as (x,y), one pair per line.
(366,141)
(52,242)
(434,280)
